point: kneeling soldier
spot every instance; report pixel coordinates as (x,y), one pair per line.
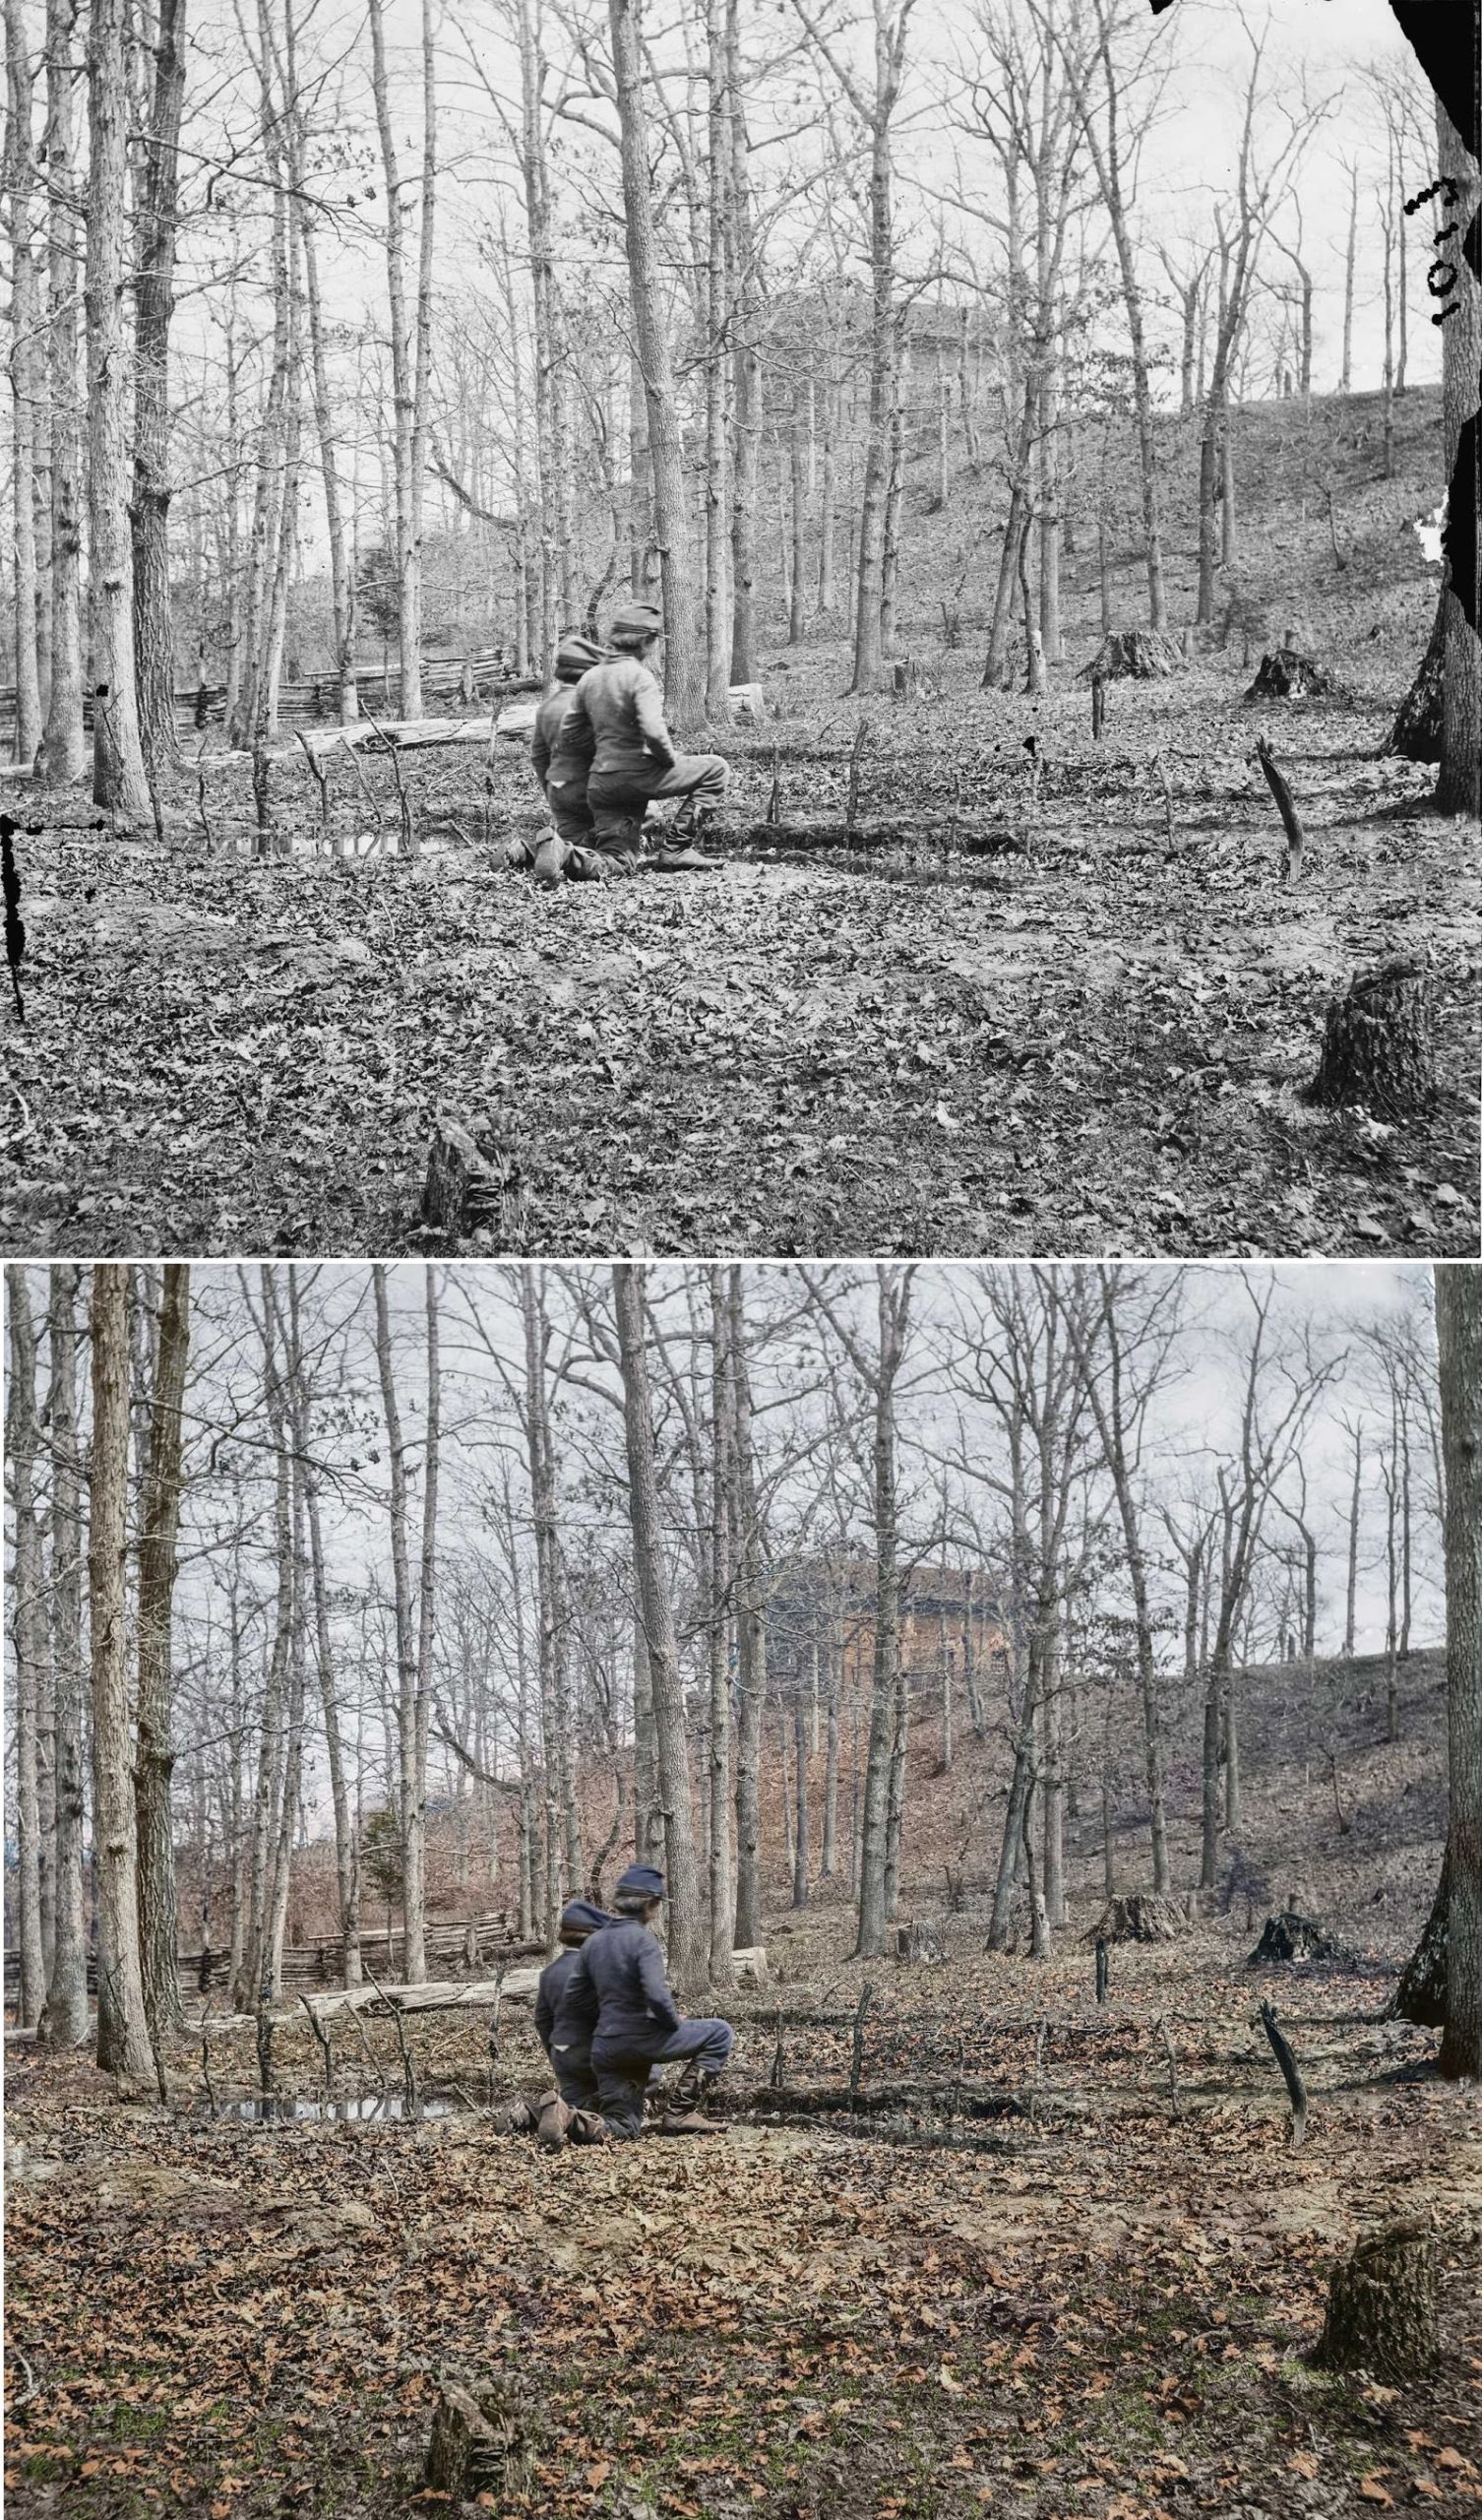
(633,759)
(570,2051)
(639,2025)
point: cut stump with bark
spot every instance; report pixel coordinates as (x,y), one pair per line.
(1286,674)
(1420,1996)
(1140,656)
(1416,731)
(466,1189)
(1290,1937)
(481,2444)
(1145,1917)
(920,1940)
(1379,1045)
(1382,2306)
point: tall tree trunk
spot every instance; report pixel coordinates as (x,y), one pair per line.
(893,1307)
(828,491)
(1003,596)
(828,1856)
(342,574)
(160,1524)
(25,376)
(750,1638)
(123,2034)
(154,627)
(800,1827)
(63,757)
(746,366)
(1350,259)
(1458,790)
(65,2023)
(412,1784)
(1355,1499)
(797,607)
(722,1457)
(550,1637)
(119,782)
(717,613)
(684,661)
(889,55)
(346,1851)
(686,1934)
(28,1639)
(1458,1323)
(404,368)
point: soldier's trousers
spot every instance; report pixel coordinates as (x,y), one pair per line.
(622,2080)
(575,2080)
(566,796)
(618,797)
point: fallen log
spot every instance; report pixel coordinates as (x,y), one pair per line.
(873,2099)
(977,838)
(516,1987)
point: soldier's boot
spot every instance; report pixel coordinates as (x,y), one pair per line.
(552,2120)
(550,861)
(685,2115)
(673,858)
(686,2092)
(689,2121)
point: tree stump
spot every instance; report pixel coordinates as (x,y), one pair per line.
(1420,1996)
(1416,731)
(1379,1045)
(920,1940)
(1291,1936)
(1286,674)
(481,2444)
(1382,2306)
(1144,655)
(464,1189)
(1147,1916)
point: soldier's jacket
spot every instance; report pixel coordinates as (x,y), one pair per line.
(623,706)
(553,1978)
(617,1997)
(555,734)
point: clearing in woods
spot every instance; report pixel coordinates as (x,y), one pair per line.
(1059,998)
(1079,2304)
(1027,2276)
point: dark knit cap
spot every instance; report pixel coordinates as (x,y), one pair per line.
(635,621)
(641,1881)
(575,654)
(580,1917)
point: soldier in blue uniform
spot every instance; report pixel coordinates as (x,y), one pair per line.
(618,1985)
(572,2109)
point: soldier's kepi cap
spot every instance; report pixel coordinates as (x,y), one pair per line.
(575,654)
(582,1917)
(641,1881)
(635,621)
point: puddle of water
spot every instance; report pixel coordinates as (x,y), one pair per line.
(274,2110)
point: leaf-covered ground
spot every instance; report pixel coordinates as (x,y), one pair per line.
(1093,1040)
(1107,2315)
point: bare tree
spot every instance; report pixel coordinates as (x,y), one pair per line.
(687,1935)
(123,2035)
(160,1523)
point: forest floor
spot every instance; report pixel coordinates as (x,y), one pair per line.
(1048,2293)
(1094,1042)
